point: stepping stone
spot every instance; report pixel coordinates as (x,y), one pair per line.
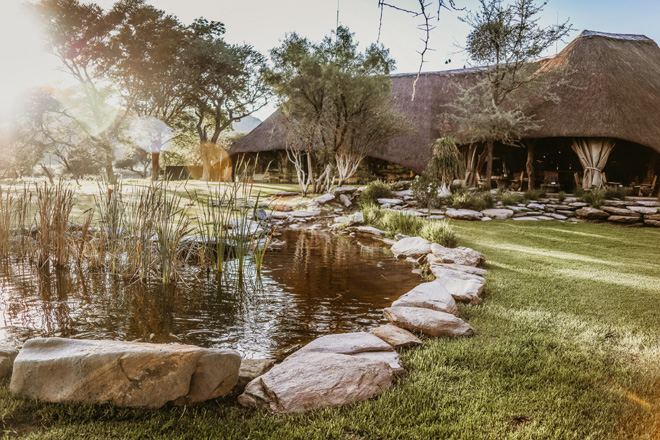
(396,336)
(643,209)
(533,219)
(466,269)
(391,202)
(592,213)
(432,295)
(624,219)
(345,190)
(429,322)
(317,380)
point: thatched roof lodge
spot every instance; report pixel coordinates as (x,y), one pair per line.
(608,85)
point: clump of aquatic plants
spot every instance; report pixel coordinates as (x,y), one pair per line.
(399,222)
(439,231)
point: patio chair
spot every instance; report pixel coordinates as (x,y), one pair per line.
(550,180)
(647,188)
(517,181)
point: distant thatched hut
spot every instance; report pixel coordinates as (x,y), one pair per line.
(609,90)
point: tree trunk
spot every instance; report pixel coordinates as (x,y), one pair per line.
(205,153)
(489,164)
(155,165)
(530,165)
(110,173)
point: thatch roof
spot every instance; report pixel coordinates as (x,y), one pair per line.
(610,88)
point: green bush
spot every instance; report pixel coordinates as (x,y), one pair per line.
(398,222)
(561,195)
(510,198)
(439,231)
(425,189)
(619,192)
(535,194)
(595,197)
(375,190)
(471,200)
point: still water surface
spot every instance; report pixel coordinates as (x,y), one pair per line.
(318,284)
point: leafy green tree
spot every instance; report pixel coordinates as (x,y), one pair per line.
(336,103)
(225,83)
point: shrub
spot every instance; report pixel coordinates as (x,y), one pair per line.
(619,192)
(469,200)
(511,198)
(535,194)
(401,223)
(439,232)
(595,197)
(425,189)
(561,195)
(375,190)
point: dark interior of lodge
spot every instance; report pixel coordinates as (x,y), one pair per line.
(556,167)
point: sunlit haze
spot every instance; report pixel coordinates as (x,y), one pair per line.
(263,24)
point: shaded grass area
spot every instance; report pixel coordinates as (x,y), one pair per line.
(567,346)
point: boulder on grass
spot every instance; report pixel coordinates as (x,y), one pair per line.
(463,290)
(459,255)
(7,356)
(463,214)
(411,247)
(356,343)
(591,213)
(122,373)
(317,380)
(396,336)
(427,321)
(498,213)
(251,369)
(432,295)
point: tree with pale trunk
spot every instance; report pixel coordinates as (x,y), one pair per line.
(504,39)
(336,103)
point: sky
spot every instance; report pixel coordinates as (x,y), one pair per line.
(264,23)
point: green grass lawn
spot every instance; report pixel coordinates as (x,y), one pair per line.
(567,346)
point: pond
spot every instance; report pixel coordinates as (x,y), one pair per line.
(318,284)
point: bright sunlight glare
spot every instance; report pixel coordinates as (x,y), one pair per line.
(25,62)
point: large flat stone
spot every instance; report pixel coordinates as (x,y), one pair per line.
(442,271)
(463,290)
(463,268)
(430,322)
(614,210)
(624,218)
(411,247)
(122,373)
(317,380)
(592,213)
(463,214)
(392,202)
(396,336)
(459,255)
(345,190)
(432,295)
(500,214)
(325,198)
(643,209)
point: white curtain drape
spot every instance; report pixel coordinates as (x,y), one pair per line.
(593,154)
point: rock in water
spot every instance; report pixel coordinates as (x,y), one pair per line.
(427,321)
(411,247)
(396,336)
(431,295)
(122,373)
(317,380)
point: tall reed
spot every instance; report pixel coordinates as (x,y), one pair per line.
(54,205)
(110,206)
(7,207)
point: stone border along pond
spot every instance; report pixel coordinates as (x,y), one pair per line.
(332,370)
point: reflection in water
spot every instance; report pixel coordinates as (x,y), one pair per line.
(318,284)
